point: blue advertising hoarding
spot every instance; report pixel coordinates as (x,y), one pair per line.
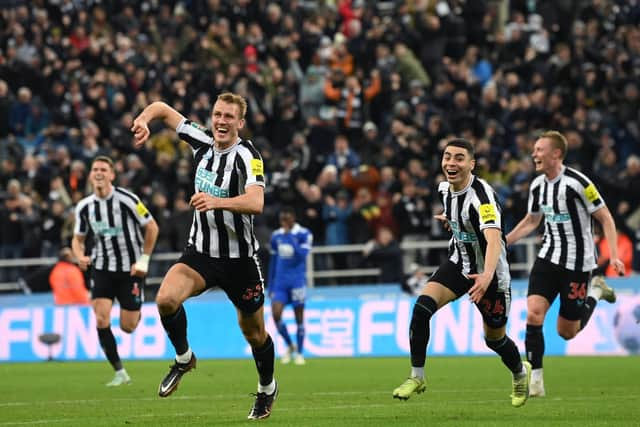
(343,321)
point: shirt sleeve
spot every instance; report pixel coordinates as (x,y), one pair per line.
(253,167)
(81,226)
(194,134)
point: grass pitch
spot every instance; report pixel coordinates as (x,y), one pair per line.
(581,391)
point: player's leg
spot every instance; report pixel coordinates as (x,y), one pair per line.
(298,300)
(244,286)
(433,296)
(130,296)
(494,308)
(544,283)
(254,331)
(103,291)
(102,310)
(598,289)
(180,282)
(279,298)
(576,306)
(298,311)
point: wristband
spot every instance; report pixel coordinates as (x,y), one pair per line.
(142,264)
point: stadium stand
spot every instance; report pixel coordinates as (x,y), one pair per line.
(389,80)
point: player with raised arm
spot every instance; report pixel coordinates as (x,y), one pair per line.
(222,248)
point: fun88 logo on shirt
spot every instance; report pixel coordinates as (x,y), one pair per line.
(205,182)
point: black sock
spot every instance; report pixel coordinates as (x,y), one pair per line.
(109,346)
(508,352)
(534,344)
(587,310)
(264,357)
(423,309)
(176,326)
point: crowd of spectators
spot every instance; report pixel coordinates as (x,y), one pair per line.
(349,103)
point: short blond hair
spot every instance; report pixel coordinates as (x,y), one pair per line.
(558,140)
(233,98)
(104,159)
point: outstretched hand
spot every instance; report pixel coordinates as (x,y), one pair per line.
(140,131)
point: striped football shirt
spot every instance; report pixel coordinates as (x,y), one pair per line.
(469,212)
(222,173)
(567,203)
(116,223)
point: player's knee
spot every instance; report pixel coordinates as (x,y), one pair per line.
(127,328)
(255,337)
(103,320)
(567,334)
(167,303)
(535,317)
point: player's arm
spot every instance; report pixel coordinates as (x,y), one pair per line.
(302,244)
(78,248)
(525,227)
(251,202)
(141,266)
(493,237)
(604,217)
(156,110)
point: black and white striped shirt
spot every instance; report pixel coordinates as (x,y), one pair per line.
(469,212)
(567,203)
(221,233)
(116,223)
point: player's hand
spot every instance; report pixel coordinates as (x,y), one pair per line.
(618,266)
(140,131)
(443,219)
(203,202)
(480,285)
(141,266)
(84,262)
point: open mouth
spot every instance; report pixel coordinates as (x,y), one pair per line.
(222,130)
(452,173)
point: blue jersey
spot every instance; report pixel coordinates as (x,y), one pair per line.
(287,268)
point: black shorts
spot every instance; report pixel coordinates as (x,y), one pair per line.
(129,290)
(240,278)
(549,280)
(495,303)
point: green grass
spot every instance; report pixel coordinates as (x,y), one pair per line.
(584,391)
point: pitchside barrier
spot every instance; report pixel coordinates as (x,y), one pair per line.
(351,321)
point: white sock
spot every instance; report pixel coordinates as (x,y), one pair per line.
(595,292)
(184,357)
(269,389)
(121,372)
(417,372)
(536,374)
